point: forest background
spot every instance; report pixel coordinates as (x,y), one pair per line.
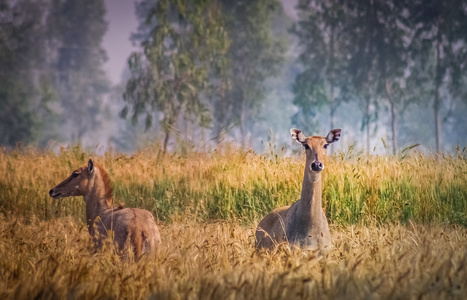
(193,74)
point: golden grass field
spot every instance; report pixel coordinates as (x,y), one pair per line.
(398,225)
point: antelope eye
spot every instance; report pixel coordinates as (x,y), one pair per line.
(74,175)
(326,146)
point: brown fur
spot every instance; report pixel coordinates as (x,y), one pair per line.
(303,223)
(109,189)
(132,228)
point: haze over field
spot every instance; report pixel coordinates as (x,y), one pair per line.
(389,74)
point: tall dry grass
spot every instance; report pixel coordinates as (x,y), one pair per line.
(216,260)
(244,186)
(397,224)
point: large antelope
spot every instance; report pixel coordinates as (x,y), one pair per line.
(303,223)
(133,228)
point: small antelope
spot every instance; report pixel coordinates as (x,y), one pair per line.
(132,228)
(303,223)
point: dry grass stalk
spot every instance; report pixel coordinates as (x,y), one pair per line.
(217,260)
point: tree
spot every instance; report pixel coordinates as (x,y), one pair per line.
(377,33)
(76,29)
(352,50)
(183,42)
(276,110)
(253,56)
(24,87)
(439,44)
(323,81)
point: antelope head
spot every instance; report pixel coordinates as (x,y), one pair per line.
(315,146)
(76,184)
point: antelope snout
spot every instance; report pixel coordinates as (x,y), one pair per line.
(317,166)
(53,194)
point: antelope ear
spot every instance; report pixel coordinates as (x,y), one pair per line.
(90,165)
(333,136)
(297,135)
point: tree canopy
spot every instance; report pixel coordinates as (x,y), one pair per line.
(184,43)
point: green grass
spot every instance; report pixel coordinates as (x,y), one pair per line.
(240,185)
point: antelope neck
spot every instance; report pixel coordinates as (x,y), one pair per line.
(95,198)
(310,201)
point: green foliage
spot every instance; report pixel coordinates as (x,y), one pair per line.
(50,52)
(202,59)
(382,55)
(255,55)
(24,87)
(185,42)
(322,36)
(76,29)
(439,51)
(377,38)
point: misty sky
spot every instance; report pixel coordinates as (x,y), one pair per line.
(122,22)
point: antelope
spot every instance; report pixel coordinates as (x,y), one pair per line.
(132,228)
(303,223)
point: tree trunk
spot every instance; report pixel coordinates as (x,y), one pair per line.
(331,116)
(368,136)
(79,122)
(172,120)
(395,145)
(166,140)
(203,140)
(392,105)
(438,122)
(222,117)
(436,102)
(331,85)
(367,124)
(243,125)
(167,128)
(187,127)
(332,109)
(219,132)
